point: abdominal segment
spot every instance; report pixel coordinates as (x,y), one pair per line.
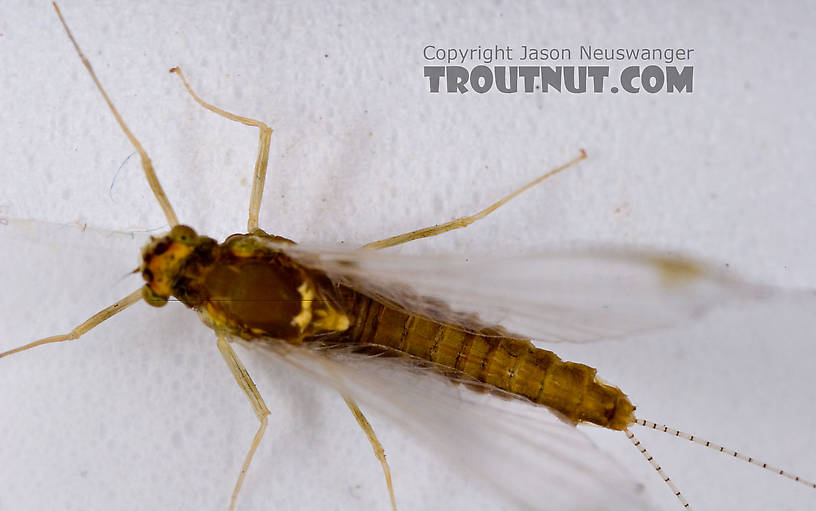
(490,356)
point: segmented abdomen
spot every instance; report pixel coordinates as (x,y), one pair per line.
(489,356)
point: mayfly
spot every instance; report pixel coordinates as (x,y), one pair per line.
(340,316)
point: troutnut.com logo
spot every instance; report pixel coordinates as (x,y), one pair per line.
(585,69)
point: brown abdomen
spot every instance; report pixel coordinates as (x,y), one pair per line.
(513,365)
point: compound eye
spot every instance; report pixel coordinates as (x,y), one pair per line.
(183,234)
(152,298)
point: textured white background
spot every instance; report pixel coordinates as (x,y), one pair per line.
(142,414)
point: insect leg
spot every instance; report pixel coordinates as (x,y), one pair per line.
(147,165)
(464,221)
(83,328)
(261,411)
(263,150)
(379,452)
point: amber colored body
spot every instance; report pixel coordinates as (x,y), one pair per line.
(512,365)
(245,288)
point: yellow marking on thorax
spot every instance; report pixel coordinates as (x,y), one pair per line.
(216,316)
(304,317)
(330,319)
(322,317)
(242,250)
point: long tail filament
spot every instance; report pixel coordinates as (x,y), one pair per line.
(724,450)
(719,448)
(658,468)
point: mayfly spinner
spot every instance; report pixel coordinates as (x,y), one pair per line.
(341,314)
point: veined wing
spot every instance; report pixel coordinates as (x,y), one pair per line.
(523,451)
(74,235)
(552,296)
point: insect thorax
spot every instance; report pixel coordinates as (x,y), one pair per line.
(243,287)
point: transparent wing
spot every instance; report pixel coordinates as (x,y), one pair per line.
(73,236)
(523,451)
(552,296)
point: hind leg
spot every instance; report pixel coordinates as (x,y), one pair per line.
(379,452)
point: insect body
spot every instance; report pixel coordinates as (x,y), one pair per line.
(247,289)
(263,290)
(488,356)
